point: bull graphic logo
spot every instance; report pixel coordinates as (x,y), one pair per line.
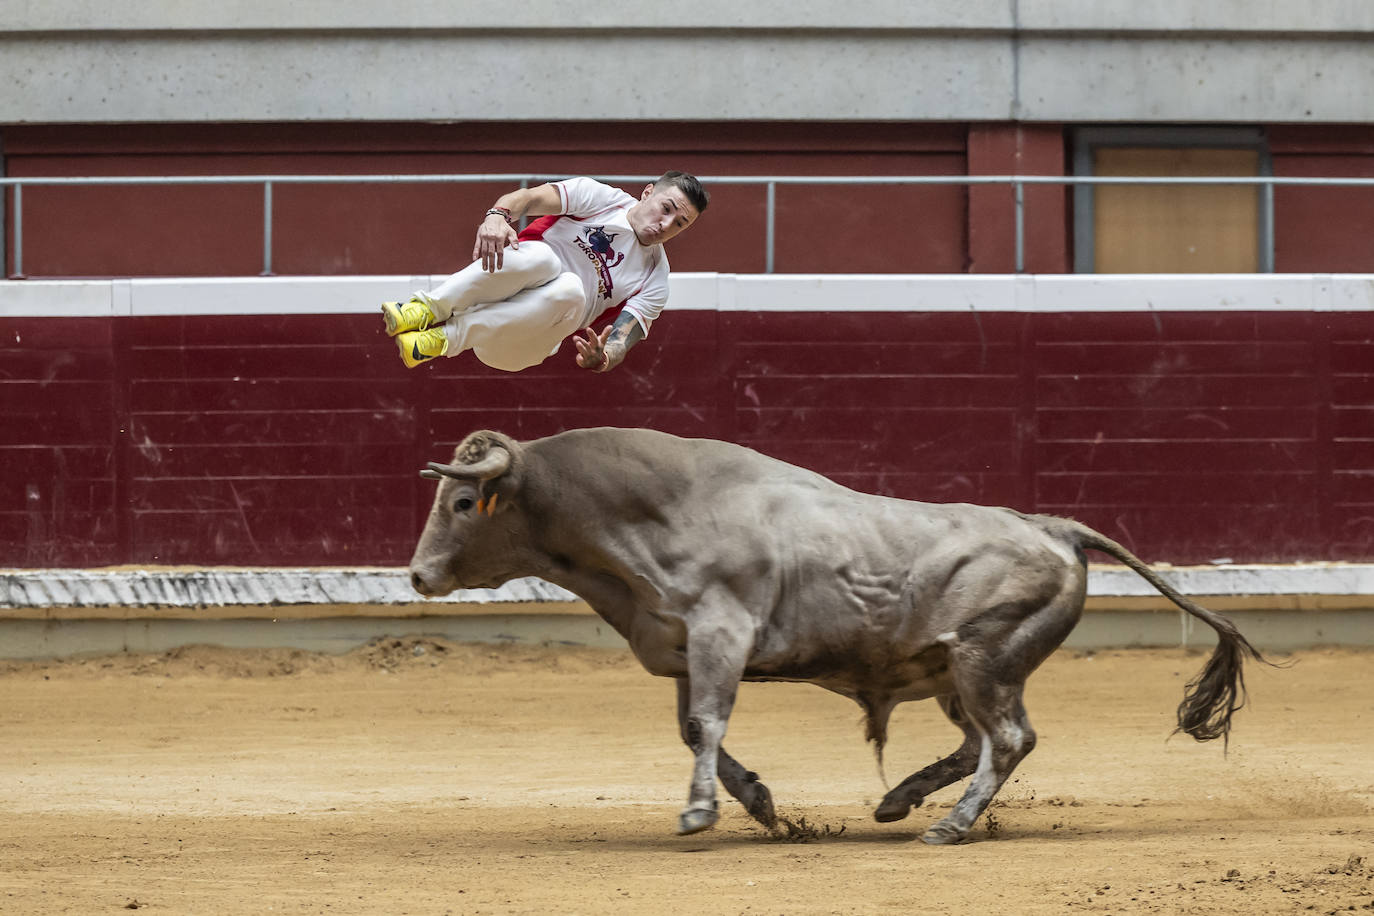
(599,239)
(598,248)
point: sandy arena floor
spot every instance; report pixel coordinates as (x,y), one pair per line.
(422,777)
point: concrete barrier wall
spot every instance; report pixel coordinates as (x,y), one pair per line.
(48,613)
(987,60)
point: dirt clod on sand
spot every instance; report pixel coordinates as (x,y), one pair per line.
(415,775)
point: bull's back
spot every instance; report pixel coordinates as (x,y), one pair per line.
(718,501)
(834,579)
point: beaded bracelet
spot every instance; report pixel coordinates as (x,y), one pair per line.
(501,212)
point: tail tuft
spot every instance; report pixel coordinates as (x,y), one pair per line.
(1214,696)
(1218,691)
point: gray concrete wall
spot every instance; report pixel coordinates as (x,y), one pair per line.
(77,61)
(1272,631)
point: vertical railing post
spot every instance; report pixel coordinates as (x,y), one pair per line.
(18,230)
(1266,228)
(1020,227)
(267,228)
(768,227)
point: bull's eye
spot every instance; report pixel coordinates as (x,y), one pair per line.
(463,504)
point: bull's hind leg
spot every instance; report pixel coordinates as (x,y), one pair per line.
(990,657)
(1005,737)
(912,791)
(742,784)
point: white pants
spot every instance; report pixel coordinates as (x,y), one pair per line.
(515,317)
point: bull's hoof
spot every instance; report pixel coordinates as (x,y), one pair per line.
(888,812)
(695,820)
(942,834)
(760,806)
(893,809)
(896,805)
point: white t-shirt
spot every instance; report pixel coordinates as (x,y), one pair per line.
(592,236)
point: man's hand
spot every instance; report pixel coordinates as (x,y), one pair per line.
(603,352)
(595,353)
(496,233)
(492,238)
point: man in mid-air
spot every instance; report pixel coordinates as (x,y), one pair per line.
(593,248)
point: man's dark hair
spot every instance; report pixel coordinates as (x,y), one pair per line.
(689,186)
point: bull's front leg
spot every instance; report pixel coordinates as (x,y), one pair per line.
(743,784)
(718,645)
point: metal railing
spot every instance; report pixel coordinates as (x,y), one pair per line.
(1018,183)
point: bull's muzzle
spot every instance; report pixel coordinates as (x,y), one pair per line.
(427,586)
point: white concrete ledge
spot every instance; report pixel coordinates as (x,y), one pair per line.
(281,590)
(336,16)
(341,16)
(1236,581)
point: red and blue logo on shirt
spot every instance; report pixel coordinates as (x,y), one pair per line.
(598,248)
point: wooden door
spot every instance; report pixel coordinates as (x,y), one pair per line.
(1175,229)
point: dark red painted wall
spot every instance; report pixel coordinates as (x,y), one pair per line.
(1317,229)
(421,229)
(296,439)
(418,229)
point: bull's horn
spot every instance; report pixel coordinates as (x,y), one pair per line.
(494,464)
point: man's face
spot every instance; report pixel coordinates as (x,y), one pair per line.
(661,214)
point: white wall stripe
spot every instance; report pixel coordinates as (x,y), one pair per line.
(1048,293)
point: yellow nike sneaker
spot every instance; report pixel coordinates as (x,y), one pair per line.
(421,346)
(415,314)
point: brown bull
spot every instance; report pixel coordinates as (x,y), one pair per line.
(718,564)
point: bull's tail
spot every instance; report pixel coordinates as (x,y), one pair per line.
(1212,697)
